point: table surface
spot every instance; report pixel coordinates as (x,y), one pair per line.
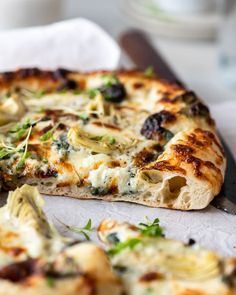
(194,61)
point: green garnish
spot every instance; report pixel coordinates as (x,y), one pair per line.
(39,93)
(50,282)
(130,244)
(20,129)
(151,229)
(149,72)
(106,138)
(6,151)
(92,92)
(83,231)
(49,134)
(77,92)
(111,140)
(83,116)
(110,79)
(25,154)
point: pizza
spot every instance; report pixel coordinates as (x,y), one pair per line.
(36,260)
(116,136)
(150,264)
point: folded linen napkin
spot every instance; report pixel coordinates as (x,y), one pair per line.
(76,44)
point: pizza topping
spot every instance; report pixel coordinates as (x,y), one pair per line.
(68,84)
(49,134)
(149,72)
(151,276)
(189,97)
(11,109)
(113,90)
(77,137)
(199,109)
(147,155)
(118,247)
(17,272)
(82,231)
(151,229)
(152,127)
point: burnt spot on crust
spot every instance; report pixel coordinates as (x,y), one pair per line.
(187,97)
(209,134)
(68,84)
(18,272)
(165,166)
(138,85)
(150,276)
(183,150)
(49,172)
(199,109)
(147,155)
(60,74)
(185,153)
(152,127)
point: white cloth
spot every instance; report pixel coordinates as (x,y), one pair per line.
(75,44)
(82,45)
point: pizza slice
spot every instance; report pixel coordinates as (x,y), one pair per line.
(36,260)
(150,264)
(116,136)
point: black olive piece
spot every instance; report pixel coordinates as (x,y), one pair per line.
(188,97)
(114,92)
(152,125)
(60,73)
(191,242)
(199,109)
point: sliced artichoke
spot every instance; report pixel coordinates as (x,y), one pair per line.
(12,109)
(77,137)
(24,210)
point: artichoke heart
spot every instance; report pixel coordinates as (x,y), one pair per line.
(78,137)
(192,265)
(12,109)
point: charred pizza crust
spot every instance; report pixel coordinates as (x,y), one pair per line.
(116,136)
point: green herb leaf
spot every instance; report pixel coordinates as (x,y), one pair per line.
(50,282)
(49,134)
(25,154)
(21,162)
(151,229)
(83,116)
(77,92)
(130,244)
(92,92)
(110,79)
(39,93)
(46,136)
(5,152)
(82,231)
(149,72)
(111,140)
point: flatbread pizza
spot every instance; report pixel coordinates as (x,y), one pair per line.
(116,136)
